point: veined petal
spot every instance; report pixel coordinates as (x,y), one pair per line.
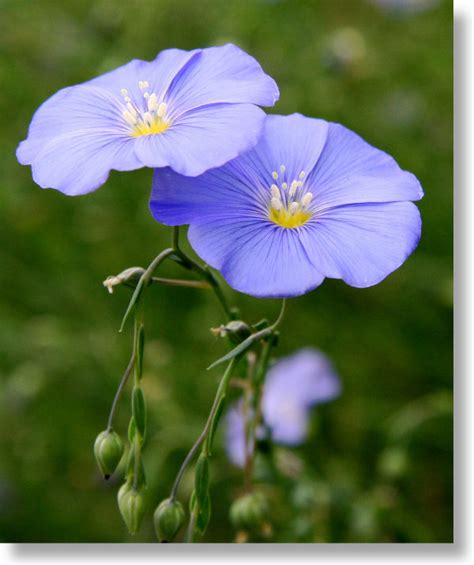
(203,138)
(350,171)
(257,258)
(295,142)
(220,75)
(362,243)
(75,138)
(79,162)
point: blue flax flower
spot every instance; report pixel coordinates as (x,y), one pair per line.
(310,200)
(293,386)
(190,110)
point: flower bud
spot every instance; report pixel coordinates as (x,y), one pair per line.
(169,518)
(108,450)
(236,330)
(249,511)
(129,277)
(131,504)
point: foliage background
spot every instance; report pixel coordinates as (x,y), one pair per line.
(378,465)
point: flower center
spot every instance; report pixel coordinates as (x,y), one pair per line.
(289,201)
(150,120)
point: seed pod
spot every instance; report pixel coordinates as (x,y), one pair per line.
(169,518)
(131,503)
(108,450)
(249,511)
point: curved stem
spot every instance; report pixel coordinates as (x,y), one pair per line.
(123,382)
(220,395)
(192,265)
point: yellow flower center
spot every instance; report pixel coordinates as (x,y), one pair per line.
(151,121)
(290,202)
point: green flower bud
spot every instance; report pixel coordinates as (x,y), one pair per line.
(236,330)
(169,518)
(108,450)
(249,511)
(131,503)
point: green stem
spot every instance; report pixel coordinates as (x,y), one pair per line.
(204,271)
(123,382)
(210,424)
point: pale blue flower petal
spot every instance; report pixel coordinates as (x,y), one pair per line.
(203,138)
(362,243)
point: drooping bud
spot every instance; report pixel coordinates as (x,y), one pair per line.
(108,450)
(131,503)
(249,511)
(169,518)
(129,277)
(236,330)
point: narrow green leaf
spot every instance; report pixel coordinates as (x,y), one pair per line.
(201,479)
(241,348)
(139,410)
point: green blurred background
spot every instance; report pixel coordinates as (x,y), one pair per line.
(378,464)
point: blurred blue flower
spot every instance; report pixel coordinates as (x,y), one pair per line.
(190,110)
(406,5)
(293,386)
(311,200)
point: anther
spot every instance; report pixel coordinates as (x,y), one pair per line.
(284,186)
(124,92)
(282,168)
(276,203)
(305,201)
(152,102)
(294,207)
(275,191)
(161,110)
(302,175)
(143,84)
(275,175)
(129,118)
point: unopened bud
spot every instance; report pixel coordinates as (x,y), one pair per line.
(236,330)
(108,450)
(249,511)
(131,503)
(169,518)
(129,277)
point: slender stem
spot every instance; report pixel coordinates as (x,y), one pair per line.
(192,265)
(277,322)
(175,238)
(181,282)
(220,394)
(123,382)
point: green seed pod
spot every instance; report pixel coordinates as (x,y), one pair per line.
(108,450)
(131,503)
(249,511)
(169,518)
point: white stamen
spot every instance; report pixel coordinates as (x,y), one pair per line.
(293,188)
(132,109)
(284,186)
(275,175)
(302,175)
(129,118)
(282,168)
(305,201)
(294,207)
(148,118)
(161,110)
(276,203)
(275,191)
(152,102)
(127,99)
(146,95)
(143,84)
(124,92)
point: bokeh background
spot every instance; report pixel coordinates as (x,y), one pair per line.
(378,464)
